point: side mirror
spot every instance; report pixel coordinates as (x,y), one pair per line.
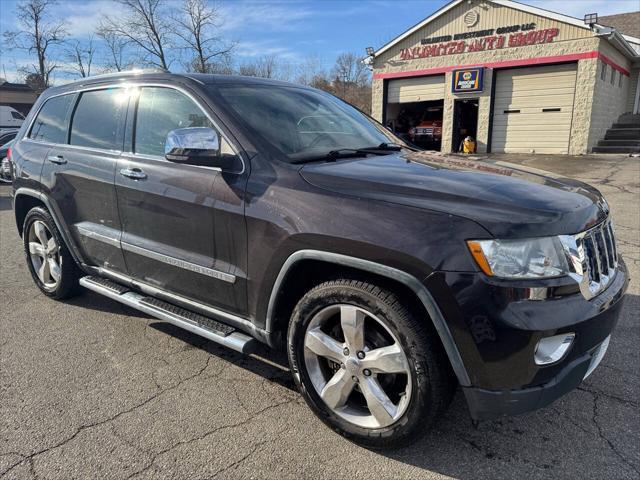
(193,146)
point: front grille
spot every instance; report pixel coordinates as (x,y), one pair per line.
(600,258)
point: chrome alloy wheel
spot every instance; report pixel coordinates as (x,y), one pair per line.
(357,366)
(44,254)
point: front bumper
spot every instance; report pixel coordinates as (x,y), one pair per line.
(488,404)
(496,331)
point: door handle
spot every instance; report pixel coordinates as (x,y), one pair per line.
(134,173)
(57,159)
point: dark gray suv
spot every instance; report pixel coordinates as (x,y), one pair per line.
(244,209)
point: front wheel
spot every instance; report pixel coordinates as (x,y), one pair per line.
(366,365)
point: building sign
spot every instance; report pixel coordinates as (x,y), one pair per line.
(481,40)
(467,80)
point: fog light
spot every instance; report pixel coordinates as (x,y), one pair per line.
(553,349)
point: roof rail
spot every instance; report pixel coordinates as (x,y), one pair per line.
(134,71)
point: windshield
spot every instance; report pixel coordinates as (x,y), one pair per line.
(303,124)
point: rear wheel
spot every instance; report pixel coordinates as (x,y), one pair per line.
(51,265)
(366,365)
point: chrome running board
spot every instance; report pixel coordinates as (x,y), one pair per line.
(193,322)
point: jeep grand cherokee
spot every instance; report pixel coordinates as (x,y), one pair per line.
(245,209)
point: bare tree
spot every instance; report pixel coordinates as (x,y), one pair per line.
(267,66)
(80,56)
(146,25)
(195,26)
(225,66)
(38,34)
(115,49)
(310,70)
(35,82)
(352,81)
(350,69)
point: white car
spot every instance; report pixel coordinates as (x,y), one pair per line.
(10,118)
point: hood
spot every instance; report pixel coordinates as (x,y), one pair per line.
(510,201)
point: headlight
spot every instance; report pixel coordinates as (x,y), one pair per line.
(520,259)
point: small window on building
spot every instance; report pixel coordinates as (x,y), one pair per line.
(51,123)
(613,76)
(603,72)
(620,81)
(97,122)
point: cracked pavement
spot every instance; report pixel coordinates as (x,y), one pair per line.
(93,389)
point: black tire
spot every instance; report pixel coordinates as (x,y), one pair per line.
(67,286)
(432,380)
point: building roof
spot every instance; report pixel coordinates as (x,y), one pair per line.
(15,87)
(625,23)
(510,4)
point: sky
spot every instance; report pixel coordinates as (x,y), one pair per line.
(293,30)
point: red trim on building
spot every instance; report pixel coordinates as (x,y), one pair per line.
(613,64)
(508,63)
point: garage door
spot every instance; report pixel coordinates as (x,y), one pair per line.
(418,89)
(533,109)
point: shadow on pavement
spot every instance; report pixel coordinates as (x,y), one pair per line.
(268,363)
(5,203)
(512,447)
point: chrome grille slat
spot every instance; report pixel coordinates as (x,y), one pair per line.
(614,247)
(592,258)
(602,253)
(607,241)
(600,258)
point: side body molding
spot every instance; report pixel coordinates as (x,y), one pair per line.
(408,280)
(66,235)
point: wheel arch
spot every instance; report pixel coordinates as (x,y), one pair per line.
(26,199)
(293,280)
(23,202)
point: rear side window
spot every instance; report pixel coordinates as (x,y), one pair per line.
(17,115)
(98,120)
(161,110)
(51,123)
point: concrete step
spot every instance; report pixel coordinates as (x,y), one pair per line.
(623,133)
(634,124)
(619,149)
(619,143)
(629,118)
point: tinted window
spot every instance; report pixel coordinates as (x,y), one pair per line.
(161,110)
(302,123)
(97,120)
(17,116)
(50,124)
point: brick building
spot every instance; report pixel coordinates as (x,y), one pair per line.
(515,77)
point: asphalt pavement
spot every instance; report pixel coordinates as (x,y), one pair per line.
(92,389)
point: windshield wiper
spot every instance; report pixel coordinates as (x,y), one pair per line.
(387,146)
(381,149)
(396,146)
